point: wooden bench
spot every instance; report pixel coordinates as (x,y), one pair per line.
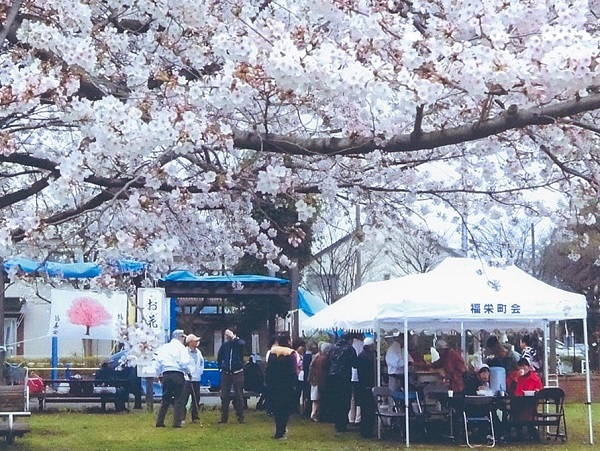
(80,391)
(14,402)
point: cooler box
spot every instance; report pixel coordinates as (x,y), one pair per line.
(497,379)
(211,377)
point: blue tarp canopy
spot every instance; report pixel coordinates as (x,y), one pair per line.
(186,276)
(72,270)
(307,302)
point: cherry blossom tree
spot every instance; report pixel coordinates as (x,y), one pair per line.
(88,312)
(147,128)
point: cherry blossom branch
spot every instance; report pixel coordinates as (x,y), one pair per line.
(22,194)
(584,125)
(511,119)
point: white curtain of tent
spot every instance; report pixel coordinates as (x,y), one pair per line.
(457,293)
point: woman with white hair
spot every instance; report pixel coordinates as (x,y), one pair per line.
(317,375)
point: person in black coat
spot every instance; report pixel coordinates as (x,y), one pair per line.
(281,378)
(365,365)
(342,358)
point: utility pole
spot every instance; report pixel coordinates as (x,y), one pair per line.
(2,303)
(532,248)
(464,241)
(295,282)
(358,275)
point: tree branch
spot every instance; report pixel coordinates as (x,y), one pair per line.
(584,125)
(417,130)
(22,194)
(510,119)
(10,18)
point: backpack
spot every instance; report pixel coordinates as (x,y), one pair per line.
(339,361)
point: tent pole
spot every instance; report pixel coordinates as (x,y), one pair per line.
(587,380)
(406,400)
(378,340)
(546,352)
(463,344)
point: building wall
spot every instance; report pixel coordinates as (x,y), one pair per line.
(575,389)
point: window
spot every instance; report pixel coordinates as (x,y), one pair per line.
(10,335)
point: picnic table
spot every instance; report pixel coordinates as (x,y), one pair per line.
(81,391)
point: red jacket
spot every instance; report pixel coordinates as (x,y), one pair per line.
(518,384)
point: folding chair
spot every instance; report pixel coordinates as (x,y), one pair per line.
(477,413)
(550,415)
(416,415)
(389,416)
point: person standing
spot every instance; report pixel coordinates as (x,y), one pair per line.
(317,376)
(354,416)
(527,351)
(342,358)
(309,353)
(365,366)
(230,359)
(394,359)
(192,387)
(452,364)
(299,345)
(281,379)
(174,365)
(505,356)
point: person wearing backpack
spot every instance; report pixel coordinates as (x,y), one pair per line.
(342,358)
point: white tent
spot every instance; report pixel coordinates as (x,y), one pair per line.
(457,293)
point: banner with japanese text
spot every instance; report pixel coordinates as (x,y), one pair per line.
(153,312)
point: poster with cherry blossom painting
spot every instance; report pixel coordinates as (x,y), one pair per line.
(87,314)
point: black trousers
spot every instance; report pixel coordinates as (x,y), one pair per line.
(193,388)
(341,396)
(173,386)
(367,411)
(237,382)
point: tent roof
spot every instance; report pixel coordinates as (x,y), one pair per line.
(459,290)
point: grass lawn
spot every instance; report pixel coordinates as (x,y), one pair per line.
(78,430)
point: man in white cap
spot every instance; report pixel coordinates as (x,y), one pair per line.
(174,365)
(192,387)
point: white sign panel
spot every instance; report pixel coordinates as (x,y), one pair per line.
(87,314)
(153,310)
